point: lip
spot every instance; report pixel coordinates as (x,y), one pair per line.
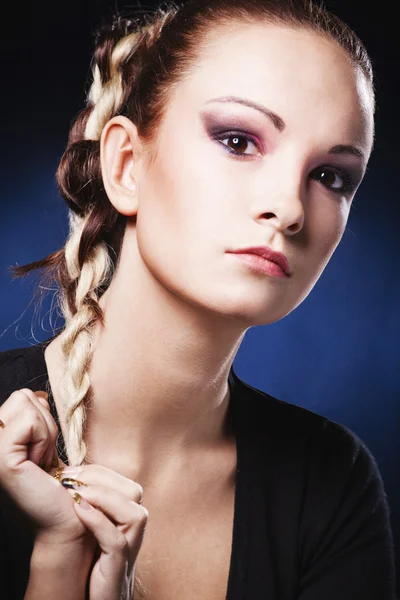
(270,255)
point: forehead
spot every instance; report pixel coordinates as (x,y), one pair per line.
(304,77)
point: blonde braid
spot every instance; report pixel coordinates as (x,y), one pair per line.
(107,99)
(76,337)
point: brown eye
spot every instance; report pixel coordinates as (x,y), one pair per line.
(339,181)
(239,142)
(330,178)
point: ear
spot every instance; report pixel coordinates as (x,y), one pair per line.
(119,159)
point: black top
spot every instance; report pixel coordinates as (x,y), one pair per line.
(311,518)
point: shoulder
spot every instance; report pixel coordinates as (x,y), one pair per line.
(322,482)
(12,366)
(327,455)
(19,367)
(8,357)
(272,418)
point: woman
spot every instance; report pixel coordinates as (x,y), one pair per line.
(213,132)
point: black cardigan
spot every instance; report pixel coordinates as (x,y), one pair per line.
(311,518)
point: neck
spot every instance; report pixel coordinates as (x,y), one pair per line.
(159,378)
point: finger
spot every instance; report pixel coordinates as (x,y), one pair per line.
(27,432)
(127,517)
(101,475)
(43,398)
(50,459)
(119,544)
(115,560)
(38,395)
(47,457)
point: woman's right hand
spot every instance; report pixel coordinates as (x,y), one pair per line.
(29,437)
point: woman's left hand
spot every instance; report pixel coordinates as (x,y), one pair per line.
(117,520)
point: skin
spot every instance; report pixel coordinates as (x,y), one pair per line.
(179,305)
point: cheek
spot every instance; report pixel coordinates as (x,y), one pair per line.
(183,205)
(326,233)
(177,223)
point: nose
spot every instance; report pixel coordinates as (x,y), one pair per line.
(282,203)
(288,221)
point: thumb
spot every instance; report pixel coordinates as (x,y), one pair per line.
(43,398)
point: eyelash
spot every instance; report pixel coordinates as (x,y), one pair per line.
(349,183)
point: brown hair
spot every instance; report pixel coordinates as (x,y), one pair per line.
(137,63)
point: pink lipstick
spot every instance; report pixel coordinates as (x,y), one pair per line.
(265,259)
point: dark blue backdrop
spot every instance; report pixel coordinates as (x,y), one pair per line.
(338,353)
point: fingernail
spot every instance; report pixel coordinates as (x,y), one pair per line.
(58,474)
(72,471)
(82,502)
(68,482)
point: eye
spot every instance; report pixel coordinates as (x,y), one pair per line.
(339,181)
(239,141)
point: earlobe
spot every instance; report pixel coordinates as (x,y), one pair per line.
(119,159)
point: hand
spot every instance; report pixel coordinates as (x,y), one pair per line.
(117,520)
(29,438)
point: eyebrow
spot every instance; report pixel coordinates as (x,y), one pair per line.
(280,124)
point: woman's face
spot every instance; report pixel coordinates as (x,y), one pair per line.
(286,188)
